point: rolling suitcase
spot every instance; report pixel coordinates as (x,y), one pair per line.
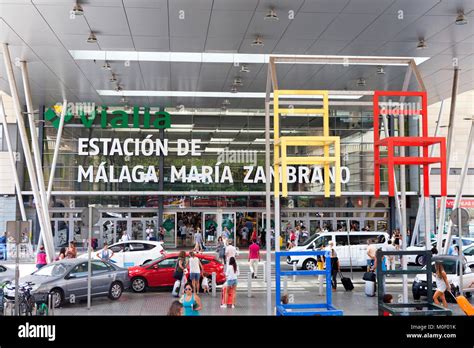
(464,304)
(346,282)
(370,288)
(176,287)
(224,296)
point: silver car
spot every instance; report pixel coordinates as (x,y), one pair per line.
(67,280)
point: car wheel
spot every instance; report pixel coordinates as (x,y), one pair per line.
(58,297)
(416,296)
(138,284)
(115,291)
(309,264)
(420,260)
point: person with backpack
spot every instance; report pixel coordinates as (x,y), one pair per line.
(335,267)
(179,273)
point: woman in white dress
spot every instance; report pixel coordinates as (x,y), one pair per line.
(442,284)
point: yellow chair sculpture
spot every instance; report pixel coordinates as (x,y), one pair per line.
(281,143)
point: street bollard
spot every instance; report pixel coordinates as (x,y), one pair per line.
(214,284)
(249,285)
(294,270)
(50,304)
(285,285)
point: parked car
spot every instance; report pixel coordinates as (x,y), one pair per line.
(418,259)
(6,274)
(451,267)
(159,272)
(67,280)
(132,252)
(469,253)
(351,248)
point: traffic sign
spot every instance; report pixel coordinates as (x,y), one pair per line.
(464,216)
(85,216)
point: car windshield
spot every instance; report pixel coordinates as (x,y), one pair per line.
(52,270)
(149,262)
(448,265)
(309,240)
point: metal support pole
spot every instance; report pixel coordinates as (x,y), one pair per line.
(56,150)
(37,161)
(460,254)
(457,200)
(89,266)
(6,135)
(285,285)
(294,270)
(267,195)
(403,223)
(214,284)
(421,203)
(397,199)
(349,244)
(17,267)
(26,148)
(452,112)
(249,285)
(277,223)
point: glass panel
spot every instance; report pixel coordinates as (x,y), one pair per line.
(169,224)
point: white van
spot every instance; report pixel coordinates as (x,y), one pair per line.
(348,246)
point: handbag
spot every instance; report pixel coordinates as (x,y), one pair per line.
(369,277)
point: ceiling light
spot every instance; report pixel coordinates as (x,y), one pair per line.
(461,18)
(213,94)
(113,78)
(361,82)
(271,15)
(238,82)
(221,140)
(233,89)
(244,68)
(421,44)
(77,10)
(182,125)
(241,58)
(258,42)
(380,70)
(92,38)
(214,149)
(106,66)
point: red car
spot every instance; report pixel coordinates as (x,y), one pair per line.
(160,272)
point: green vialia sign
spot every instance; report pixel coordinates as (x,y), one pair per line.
(116,118)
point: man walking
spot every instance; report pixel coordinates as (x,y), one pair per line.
(254,258)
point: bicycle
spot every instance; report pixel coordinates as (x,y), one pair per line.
(26,300)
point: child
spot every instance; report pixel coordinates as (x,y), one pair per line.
(205,283)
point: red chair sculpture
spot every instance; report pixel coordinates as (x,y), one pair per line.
(419,141)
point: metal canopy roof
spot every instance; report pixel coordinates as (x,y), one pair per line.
(41,32)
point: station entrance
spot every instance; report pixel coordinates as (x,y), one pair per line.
(236,224)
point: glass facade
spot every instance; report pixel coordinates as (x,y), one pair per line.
(236,141)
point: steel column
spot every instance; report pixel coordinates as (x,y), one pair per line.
(26,148)
(6,135)
(452,112)
(48,237)
(268,195)
(56,151)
